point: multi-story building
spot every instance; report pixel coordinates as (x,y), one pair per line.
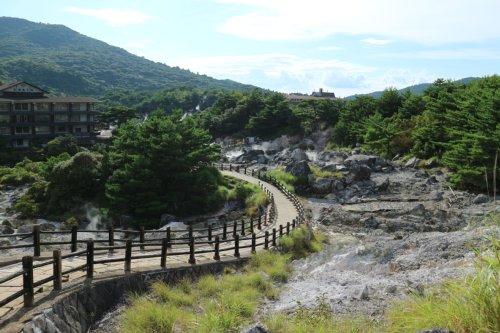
(315,95)
(27,115)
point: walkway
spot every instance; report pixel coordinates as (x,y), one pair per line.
(285,213)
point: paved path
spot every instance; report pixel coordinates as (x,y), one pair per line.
(285,212)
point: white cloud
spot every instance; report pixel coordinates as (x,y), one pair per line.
(448,54)
(290,73)
(377,42)
(424,21)
(329,48)
(112,17)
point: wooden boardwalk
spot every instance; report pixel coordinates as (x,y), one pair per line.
(285,213)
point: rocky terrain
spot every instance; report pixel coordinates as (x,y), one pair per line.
(395,227)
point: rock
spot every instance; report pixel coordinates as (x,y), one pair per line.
(365,294)
(436,195)
(431,180)
(300,169)
(384,186)
(431,163)
(419,210)
(322,185)
(480,199)
(370,222)
(391,289)
(262,159)
(25,228)
(256,328)
(299,155)
(7,223)
(4,242)
(412,162)
(436,330)
(166,219)
(45,225)
(6,230)
(360,159)
(249,156)
(360,172)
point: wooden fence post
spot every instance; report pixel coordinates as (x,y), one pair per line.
(251,224)
(274,236)
(230,167)
(28,281)
(288,228)
(128,256)
(224,231)
(252,172)
(190,232)
(164,246)
(260,218)
(209,233)
(237,246)
(90,259)
(293,224)
(216,249)
(36,240)
(192,259)
(253,243)
(74,238)
(235,227)
(169,238)
(57,269)
(266,240)
(242,227)
(111,238)
(141,237)
(259,225)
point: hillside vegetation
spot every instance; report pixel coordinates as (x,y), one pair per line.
(62,60)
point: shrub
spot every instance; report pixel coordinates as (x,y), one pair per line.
(286,178)
(301,242)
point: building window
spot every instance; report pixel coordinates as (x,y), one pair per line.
(78,117)
(61,118)
(4,106)
(60,106)
(61,129)
(20,143)
(4,118)
(4,130)
(22,119)
(80,129)
(42,130)
(42,118)
(21,106)
(23,130)
(42,107)
(79,106)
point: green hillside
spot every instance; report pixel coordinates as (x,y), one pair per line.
(417,89)
(65,61)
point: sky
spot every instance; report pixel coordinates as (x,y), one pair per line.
(348,47)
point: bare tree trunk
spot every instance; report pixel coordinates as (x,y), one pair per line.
(486,180)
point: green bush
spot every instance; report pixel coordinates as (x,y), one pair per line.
(286,178)
(301,241)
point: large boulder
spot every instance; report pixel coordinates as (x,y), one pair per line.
(360,173)
(299,169)
(249,156)
(322,185)
(480,199)
(299,155)
(6,229)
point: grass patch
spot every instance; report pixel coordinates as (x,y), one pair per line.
(319,173)
(287,179)
(210,304)
(468,305)
(302,241)
(318,320)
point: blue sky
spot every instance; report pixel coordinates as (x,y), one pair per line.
(348,47)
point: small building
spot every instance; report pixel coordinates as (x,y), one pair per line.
(27,114)
(315,95)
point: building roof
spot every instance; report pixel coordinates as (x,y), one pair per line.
(12,84)
(50,99)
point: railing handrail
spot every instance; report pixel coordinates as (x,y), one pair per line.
(231,234)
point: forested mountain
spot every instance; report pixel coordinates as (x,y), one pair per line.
(417,89)
(62,60)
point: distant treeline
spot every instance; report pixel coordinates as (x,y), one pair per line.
(456,124)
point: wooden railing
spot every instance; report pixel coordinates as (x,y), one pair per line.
(241,234)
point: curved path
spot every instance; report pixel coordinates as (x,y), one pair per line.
(285,213)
